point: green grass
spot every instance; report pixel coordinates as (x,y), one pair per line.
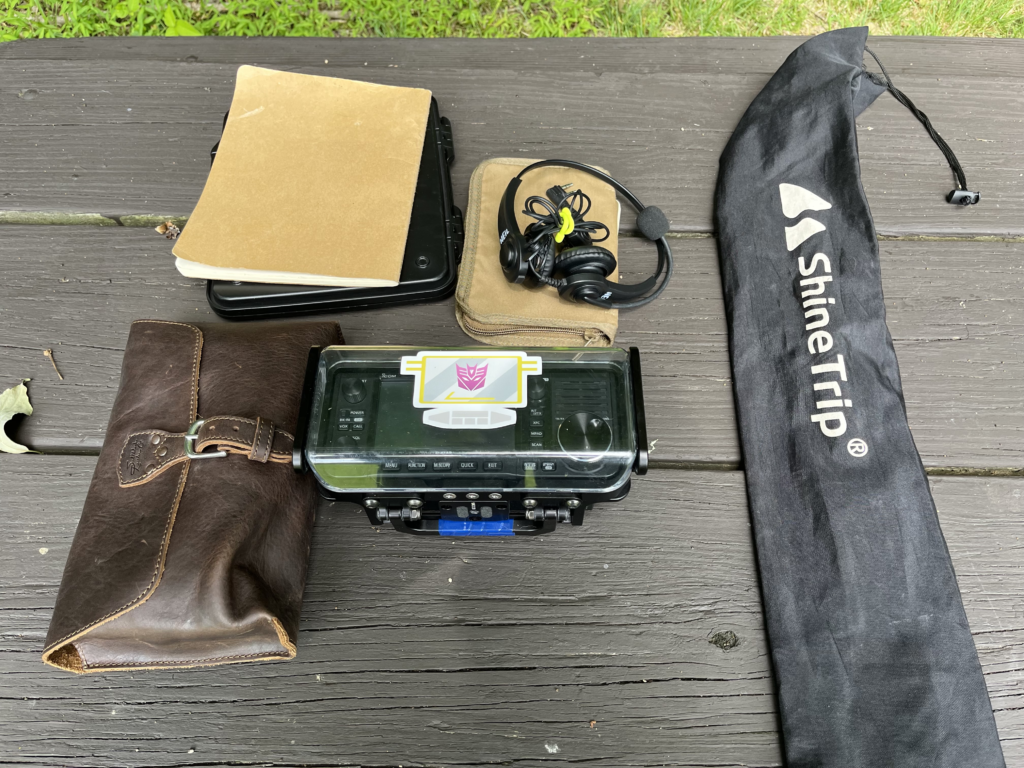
(490,18)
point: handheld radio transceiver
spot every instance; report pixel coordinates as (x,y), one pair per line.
(472,441)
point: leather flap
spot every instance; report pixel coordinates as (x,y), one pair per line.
(158,390)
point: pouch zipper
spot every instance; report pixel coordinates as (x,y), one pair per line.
(587,333)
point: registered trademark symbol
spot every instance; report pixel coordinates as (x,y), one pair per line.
(857,447)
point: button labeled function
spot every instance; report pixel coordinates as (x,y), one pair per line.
(416,466)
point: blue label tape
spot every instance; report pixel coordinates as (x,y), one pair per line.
(475,527)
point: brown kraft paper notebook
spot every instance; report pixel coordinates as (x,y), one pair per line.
(313,183)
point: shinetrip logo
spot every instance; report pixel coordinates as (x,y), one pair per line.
(815,282)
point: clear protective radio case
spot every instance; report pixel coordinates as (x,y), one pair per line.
(474,434)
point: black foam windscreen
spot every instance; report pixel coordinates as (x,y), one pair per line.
(652,223)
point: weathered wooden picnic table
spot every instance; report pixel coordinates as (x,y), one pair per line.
(607,644)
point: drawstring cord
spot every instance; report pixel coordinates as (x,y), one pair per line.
(959,196)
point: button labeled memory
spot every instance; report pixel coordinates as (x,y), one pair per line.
(442,466)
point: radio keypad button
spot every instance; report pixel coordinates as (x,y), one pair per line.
(462,512)
(343,427)
(415,466)
(492,466)
(391,465)
(529,466)
(549,466)
(467,466)
(442,466)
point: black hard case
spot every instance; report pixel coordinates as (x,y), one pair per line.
(429,269)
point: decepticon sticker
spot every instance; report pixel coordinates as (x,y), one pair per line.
(470,390)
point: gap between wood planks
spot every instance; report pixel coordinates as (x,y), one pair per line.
(686,466)
(61,218)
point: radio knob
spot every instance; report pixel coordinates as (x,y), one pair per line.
(584,433)
(353,390)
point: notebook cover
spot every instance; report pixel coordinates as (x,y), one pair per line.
(314,176)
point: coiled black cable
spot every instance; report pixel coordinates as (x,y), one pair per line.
(540,234)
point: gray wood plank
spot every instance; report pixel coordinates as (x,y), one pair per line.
(926,56)
(954,310)
(529,642)
(131,135)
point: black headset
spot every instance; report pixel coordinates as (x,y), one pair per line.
(580,270)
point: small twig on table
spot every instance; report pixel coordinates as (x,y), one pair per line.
(49,354)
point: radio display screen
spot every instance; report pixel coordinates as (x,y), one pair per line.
(401,426)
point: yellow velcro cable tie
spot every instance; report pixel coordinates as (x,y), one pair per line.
(568,224)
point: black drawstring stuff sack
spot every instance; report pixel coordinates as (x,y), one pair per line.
(873,657)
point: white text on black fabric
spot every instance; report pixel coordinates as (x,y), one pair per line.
(814,284)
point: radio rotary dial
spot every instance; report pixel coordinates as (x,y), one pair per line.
(585,436)
(353,390)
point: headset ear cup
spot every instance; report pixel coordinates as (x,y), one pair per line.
(542,259)
(585,259)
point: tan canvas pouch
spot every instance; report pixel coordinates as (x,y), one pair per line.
(494,311)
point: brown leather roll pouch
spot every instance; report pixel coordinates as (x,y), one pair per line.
(182,561)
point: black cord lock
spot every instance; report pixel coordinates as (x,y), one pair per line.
(963,197)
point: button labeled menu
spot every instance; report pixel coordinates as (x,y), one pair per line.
(391,465)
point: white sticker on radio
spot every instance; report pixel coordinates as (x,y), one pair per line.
(470,390)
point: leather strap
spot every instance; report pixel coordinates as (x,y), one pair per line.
(146,454)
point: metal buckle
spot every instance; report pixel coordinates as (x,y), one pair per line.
(190,438)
